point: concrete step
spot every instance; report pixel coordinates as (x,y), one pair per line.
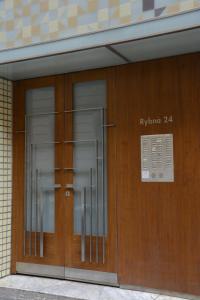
(14,294)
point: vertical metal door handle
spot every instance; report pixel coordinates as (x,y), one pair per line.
(31,199)
(35,200)
(41,225)
(91,212)
(108,125)
(97,202)
(36,211)
(83,233)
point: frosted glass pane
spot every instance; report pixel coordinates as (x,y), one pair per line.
(87,131)
(40,153)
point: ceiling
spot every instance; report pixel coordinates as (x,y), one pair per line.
(187,41)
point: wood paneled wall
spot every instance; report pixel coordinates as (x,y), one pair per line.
(159,223)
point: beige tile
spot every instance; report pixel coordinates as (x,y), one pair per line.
(44,6)
(53,26)
(26,10)
(2,37)
(9,4)
(92,6)
(53,4)
(103,14)
(196,4)
(72,10)
(125,10)
(173,9)
(186,5)
(114,3)
(72,22)
(9,25)
(82,29)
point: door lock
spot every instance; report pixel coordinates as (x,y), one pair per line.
(67,193)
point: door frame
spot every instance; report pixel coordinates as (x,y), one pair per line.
(70,80)
(64,85)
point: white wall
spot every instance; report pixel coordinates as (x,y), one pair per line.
(5,175)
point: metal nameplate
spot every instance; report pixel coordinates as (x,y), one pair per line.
(157,159)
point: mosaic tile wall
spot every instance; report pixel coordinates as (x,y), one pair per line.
(5,175)
(24,22)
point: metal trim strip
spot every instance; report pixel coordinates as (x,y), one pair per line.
(40,270)
(61,272)
(91,276)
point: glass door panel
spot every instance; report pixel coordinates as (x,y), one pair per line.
(89,169)
(40,151)
(40,166)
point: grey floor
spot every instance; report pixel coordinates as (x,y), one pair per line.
(11,294)
(28,287)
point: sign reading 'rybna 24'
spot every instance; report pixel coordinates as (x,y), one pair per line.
(156,121)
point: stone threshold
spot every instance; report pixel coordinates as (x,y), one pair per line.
(20,287)
(14,294)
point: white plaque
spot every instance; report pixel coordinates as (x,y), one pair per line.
(157,159)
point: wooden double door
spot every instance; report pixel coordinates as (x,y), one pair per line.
(64,177)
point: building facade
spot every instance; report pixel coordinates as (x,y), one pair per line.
(99,157)
(30,22)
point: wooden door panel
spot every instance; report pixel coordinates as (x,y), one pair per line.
(74,259)
(53,243)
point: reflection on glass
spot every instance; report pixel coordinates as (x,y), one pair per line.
(89,176)
(40,153)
